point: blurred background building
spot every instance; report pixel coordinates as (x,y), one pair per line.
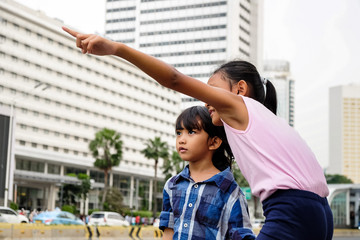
(278,72)
(194,36)
(56,99)
(344,131)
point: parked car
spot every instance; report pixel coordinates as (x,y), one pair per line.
(107,219)
(2,219)
(156,222)
(12,216)
(57,217)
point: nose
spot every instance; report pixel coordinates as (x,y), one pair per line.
(207,105)
(181,139)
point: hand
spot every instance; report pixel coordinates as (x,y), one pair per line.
(91,43)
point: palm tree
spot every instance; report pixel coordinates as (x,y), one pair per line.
(155,149)
(106,148)
(174,164)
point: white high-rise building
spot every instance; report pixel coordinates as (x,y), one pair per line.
(344,131)
(278,72)
(195,36)
(58,99)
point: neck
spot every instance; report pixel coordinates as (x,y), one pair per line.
(202,170)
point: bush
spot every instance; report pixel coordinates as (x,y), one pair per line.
(69,208)
(14,206)
(93,210)
(147,214)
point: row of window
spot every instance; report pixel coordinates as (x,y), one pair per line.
(184,7)
(180,19)
(189,41)
(205,63)
(182,30)
(245,8)
(120,30)
(125,9)
(246,53)
(185,53)
(121,20)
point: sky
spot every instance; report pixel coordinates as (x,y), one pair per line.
(320,39)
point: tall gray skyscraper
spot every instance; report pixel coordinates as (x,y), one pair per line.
(278,72)
(194,36)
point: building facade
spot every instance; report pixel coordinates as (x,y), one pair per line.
(344,131)
(58,98)
(194,36)
(278,72)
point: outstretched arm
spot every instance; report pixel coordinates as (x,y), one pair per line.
(163,73)
(226,103)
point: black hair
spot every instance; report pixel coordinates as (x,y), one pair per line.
(198,117)
(237,70)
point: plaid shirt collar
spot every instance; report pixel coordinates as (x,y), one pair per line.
(223,179)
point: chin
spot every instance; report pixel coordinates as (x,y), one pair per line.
(217,122)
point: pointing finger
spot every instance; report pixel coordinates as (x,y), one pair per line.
(71,32)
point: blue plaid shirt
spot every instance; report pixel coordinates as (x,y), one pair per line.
(212,209)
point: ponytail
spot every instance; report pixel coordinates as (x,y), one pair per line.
(270,101)
(263,90)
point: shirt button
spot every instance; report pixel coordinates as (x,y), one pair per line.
(185,224)
(196,186)
(190,205)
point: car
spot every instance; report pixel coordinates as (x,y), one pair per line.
(57,217)
(12,216)
(107,219)
(156,223)
(2,219)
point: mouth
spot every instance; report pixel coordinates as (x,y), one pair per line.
(211,112)
(182,149)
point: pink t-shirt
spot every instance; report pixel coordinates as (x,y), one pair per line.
(272,155)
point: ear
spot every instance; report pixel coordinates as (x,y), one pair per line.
(242,88)
(214,143)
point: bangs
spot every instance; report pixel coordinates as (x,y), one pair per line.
(189,119)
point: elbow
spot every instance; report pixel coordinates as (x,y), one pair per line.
(174,80)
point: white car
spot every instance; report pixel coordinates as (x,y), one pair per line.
(107,219)
(12,216)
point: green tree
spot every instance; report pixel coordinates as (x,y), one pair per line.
(155,149)
(114,201)
(337,178)
(173,164)
(106,148)
(239,178)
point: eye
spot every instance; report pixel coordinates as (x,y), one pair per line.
(191,132)
(178,133)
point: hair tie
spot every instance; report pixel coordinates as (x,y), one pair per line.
(264,82)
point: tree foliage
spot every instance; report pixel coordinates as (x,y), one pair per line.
(114,201)
(106,148)
(172,165)
(239,178)
(337,178)
(155,149)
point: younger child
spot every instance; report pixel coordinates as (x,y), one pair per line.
(203,201)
